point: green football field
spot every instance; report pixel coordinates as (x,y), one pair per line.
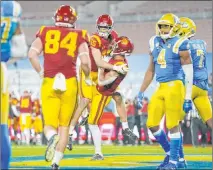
(119,157)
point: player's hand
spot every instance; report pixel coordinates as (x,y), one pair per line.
(139,99)
(123,69)
(187,106)
(41,73)
(88,81)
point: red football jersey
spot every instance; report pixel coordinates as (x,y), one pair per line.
(36,107)
(109,89)
(103,44)
(60,48)
(26,104)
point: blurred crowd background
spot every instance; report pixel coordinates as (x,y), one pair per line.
(135,19)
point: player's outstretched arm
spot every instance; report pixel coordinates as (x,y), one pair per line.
(33,54)
(149,75)
(103,64)
(84,57)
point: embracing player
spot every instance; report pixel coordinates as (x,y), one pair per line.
(61,45)
(13,47)
(108,82)
(100,47)
(170,60)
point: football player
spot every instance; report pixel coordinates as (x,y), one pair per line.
(100,47)
(25,121)
(13,46)
(169,60)
(200,76)
(108,81)
(37,123)
(61,45)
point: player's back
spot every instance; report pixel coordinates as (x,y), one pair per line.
(60,47)
(10,14)
(110,88)
(198,54)
(166,58)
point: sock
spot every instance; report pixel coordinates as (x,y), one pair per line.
(57,157)
(23,138)
(6,152)
(125,125)
(162,139)
(181,154)
(96,135)
(71,130)
(50,133)
(27,135)
(174,147)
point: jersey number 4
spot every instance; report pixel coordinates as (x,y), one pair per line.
(161,58)
(200,53)
(53,42)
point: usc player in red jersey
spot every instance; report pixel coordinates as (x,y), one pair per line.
(25,120)
(100,47)
(61,45)
(108,82)
(37,123)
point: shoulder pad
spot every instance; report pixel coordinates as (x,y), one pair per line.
(178,44)
(114,34)
(95,41)
(152,43)
(39,32)
(85,36)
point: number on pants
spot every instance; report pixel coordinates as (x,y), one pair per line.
(161,58)
(200,53)
(53,42)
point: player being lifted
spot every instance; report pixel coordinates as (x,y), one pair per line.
(108,81)
(169,60)
(13,47)
(61,45)
(100,47)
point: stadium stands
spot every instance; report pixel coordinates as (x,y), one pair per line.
(140,33)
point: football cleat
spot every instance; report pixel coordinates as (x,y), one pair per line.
(54,166)
(97,157)
(69,145)
(164,163)
(84,121)
(50,151)
(127,132)
(182,164)
(170,166)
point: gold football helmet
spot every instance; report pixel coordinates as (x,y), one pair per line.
(188,27)
(168,26)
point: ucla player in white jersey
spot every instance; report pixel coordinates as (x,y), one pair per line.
(13,47)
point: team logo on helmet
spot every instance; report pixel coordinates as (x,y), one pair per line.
(124,41)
